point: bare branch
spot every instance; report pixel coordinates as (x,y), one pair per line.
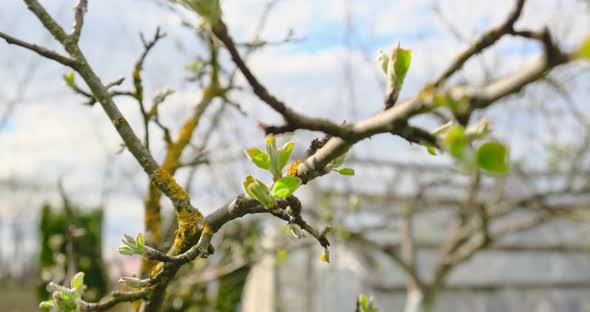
(115,298)
(47,53)
(486,40)
(79,12)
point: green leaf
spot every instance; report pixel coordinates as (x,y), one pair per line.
(126,250)
(285,186)
(363,302)
(139,241)
(429,147)
(247,182)
(346,171)
(493,157)
(46,305)
(456,141)
(584,50)
(259,191)
(284,154)
(258,157)
(77,281)
(273,155)
(69,79)
(281,256)
(403,58)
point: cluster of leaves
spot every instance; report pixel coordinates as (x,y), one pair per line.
(132,246)
(491,156)
(274,161)
(65,299)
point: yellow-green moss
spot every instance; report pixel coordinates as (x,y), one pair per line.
(166,182)
(187,233)
(207,229)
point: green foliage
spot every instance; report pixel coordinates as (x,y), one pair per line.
(274,160)
(492,156)
(258,157)
(229,293)
(86,249)
(346,171)
(395,65)
(285,186)
(69,80)
(456,141)
(403,58)
(77,281)
(259,191)
(281,256)
(132,246)
(65,299)
(431,149)
(365,304)
(278,157)
(284,155)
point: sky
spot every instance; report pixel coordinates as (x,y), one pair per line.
(331,72)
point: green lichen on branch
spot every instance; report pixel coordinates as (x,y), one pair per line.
(187,233)
(166,182)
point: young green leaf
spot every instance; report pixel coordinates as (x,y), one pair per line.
(69,79)
(493,157)
(273,155)
(346,171)
(247,182)
(139,241)
(126,250)
(363,302)
(285,186)
(403,58)
(281,256)
(258,157)
(259,191)
(77,281)
(431,149)
(46,305)
(456,141)
(284,154)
